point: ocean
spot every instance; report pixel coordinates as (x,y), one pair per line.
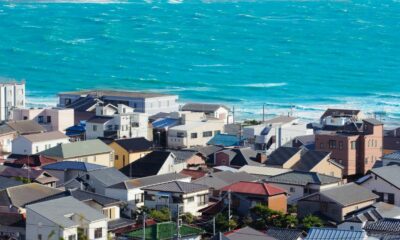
(290,56)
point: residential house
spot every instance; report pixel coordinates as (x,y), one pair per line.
(64,218)
(150,103)
(14,199)
(385,182)
(6,182)
(25,127)
(335,234)
(305,160)
(22,161)
(29,175)
(218,180)
(274,133)
(166,230)
(263,171)
(245,233)
(12,94)
(109,207)
(117,122)
(208,153)
(52,119)
(194,173)
(239,157)
(7,134)
(383,229)
(307,141)
(129,150)
(154,163)
(357,146)
(391,141)
(99,180)
(91,151)
(286,234)
(217,111)
(69,170)
(335,203)
(246,195)
(339,117)
(299,184)
(191,157)
(179,197)
(378,211)
(35,143)
(194,133)
(225,140)
(130,191)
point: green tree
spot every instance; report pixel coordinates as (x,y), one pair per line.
(222,223)
(263,216)
(188,218)
(312,221)
(162,215)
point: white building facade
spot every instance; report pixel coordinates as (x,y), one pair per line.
(12,95)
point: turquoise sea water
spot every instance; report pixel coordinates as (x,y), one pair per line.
(310,54)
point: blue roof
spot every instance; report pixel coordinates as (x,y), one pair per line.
(225,140)
(72,165)
(165,123)
(334,234)
(74,129)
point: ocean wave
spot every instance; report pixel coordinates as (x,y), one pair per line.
(210,65)
(76,41)
(262,85)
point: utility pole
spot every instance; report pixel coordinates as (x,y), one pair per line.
(213,226)
(144,226)
(233,114)
(263,117)
(178,235)
(229,208)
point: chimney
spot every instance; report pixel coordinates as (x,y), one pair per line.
(261,157)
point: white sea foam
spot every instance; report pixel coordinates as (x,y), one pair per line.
(262,85)
(211,65)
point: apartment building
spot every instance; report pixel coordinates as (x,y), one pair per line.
(150,103)
(355,145)
(12,95)
(52,119)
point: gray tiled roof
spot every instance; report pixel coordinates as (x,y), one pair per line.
(242,156)
(384,225)
(392,156)
(374,212)
(108,176)
(373,121)
(281,155)
(26,126)
(389,174)
(5,129)
(309,159)
(348,194)
(177,187)
(8,182)
(57,209)
(46,136)
(334,234)
(202,107)
(219,180)
(148,181)
(303,178)
(285,234)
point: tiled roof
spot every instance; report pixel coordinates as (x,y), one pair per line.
(26,127)
(219,180)
(148,181)
(135,144)
(241,156)
(77,149)
(303,178)
(183,155)
(334,234)
(57,210)
(8,182)
(99,119)
(19,160)
(20,195)
(374,212)
(177,187)
(340,112)
(389,174)
(46,136)
(247,233)
(108,176)
(148,165)
(202,107)
(263,170)
(73,165)
(309,159)
(194,174)
(84,104)
(281,155)
(119,223)
(348,194)
(5,129)
(392,156)
(285,234)
(255,188)
(384,225)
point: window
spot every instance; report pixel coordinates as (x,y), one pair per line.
(25,118)
(72,237)
(340,144)
(207,134)
(193,135)
(190,199)
(353,144)
(332,144)
(321,146)
(98,233)
(116,157)
(366,160)
(139,198)
(40,119)
(292,189)
(180,134)
(37,149)
(390,198)
(48,119)
(94,128)
(203,199)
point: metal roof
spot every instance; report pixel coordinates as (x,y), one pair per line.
(177,187)
(225,140)
(77,149)
(303,178)
(334,234)
(72,165)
